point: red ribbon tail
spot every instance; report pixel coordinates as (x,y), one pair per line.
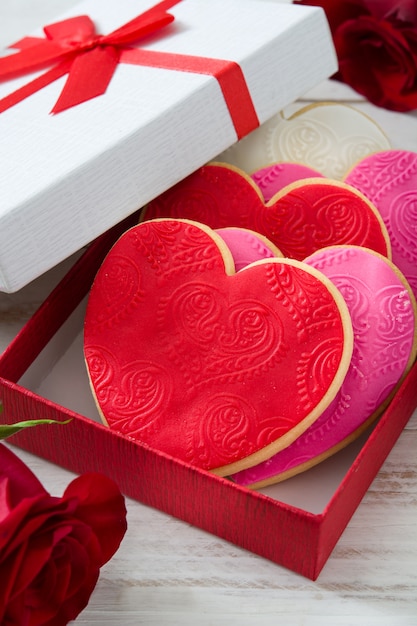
(141,26)
(33,86)
(89,77)
(30,59)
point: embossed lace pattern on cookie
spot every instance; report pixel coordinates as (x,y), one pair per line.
(273,178)
(330,137)
(215,340)
(317,144)
(380,174)
(129,392)
(300,220)
(211,195)
(389,180)
(230,423)
(313,216)
(246,246)
(124,278)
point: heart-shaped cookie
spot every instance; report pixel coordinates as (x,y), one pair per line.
(389,180)
(327,136)
(383,313)
(247,246)
(302,218)
(216,368)
(273,178)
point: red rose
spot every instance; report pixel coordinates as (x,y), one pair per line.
(376,45)
(378,58)
(51,549)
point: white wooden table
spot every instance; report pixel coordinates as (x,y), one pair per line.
(167,572)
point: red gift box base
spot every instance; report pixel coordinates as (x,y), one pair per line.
(302,540)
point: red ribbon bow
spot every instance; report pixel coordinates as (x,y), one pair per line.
(90,61)
(88,58)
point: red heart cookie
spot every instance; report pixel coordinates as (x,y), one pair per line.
(300,219)
(216,368)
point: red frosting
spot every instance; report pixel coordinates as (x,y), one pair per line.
(302,218)
(215,368)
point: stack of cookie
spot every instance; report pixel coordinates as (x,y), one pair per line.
(261,315)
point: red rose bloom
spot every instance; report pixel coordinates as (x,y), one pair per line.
(376,45)
(51,549)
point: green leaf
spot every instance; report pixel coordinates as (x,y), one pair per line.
(6,430)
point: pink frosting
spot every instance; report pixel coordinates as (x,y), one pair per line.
(275,177)
(246,246)
(389,180)
(383,319)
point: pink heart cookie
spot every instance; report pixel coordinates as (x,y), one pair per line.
(216,368)
(273,178)
(383,313)
(389,180)
(302,218)
(247,246)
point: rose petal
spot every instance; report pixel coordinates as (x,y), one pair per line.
(379,60)
(337,12)
(405,10)
(28,518)
(376,45)
(22,482)
(53,571)
(63,588)
(83,577)
(101,506)
(25,551)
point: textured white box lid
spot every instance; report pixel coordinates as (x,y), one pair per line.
(66,178)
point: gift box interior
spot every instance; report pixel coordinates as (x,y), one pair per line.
(43,375)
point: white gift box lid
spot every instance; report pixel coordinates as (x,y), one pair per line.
(67,178)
